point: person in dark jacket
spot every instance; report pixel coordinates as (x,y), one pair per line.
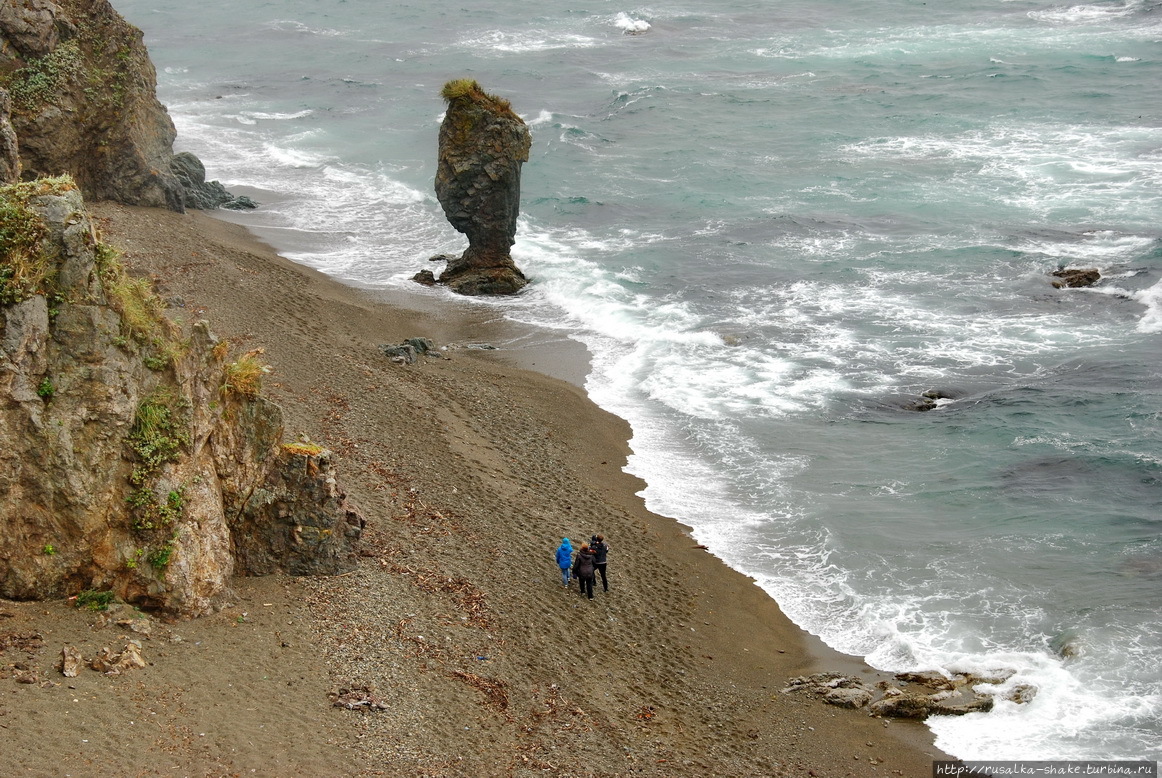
(583,569)
(565,559)
(600,550)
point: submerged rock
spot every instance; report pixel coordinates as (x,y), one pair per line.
(1074,278)
(482,146)
(907,695)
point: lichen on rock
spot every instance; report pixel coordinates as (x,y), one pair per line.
(9,147)
(125,465)
(482,146)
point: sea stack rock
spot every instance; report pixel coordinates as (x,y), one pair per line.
(482,147)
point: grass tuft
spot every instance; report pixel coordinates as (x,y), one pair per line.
(244,375)
(468,88)
(26,269)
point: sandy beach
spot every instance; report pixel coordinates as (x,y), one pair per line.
(454,638)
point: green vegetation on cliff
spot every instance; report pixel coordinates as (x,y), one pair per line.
(469,89)
(42,79)
(26,268)
(159,435)
(100,61)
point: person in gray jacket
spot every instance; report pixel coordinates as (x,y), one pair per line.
(600,550)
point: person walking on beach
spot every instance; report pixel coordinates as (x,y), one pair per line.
(600,550)
(565,559)
(583,568)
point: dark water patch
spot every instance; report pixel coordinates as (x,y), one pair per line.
(1121,489)
(1145,566)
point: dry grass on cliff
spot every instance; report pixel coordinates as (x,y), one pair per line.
(25,267)
(470,89)
(244,375)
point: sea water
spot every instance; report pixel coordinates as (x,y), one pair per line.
(775,225)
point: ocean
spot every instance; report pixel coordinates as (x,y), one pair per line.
(774,226)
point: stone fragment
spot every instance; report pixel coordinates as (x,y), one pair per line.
(111,663)
(71,662)
(357,698)
(849,698)
(198,192)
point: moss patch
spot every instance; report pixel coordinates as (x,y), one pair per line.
(160,433)
(302,449)
(143,319)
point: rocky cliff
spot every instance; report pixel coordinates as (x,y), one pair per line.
(83,101)
(9,151)
(136,457)
(482,145)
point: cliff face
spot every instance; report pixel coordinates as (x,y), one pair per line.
(135,457)
(9,151)
(482,146)
(83,100)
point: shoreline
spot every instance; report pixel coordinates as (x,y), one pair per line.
(523,346)
(527,346)
(468,470)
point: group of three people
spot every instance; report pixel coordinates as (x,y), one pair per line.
(590,560)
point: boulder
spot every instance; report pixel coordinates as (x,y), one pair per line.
(199,193)
(482,146)
(907,695)
(849,698)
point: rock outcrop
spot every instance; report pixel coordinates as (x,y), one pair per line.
(134,457)
(202,194)
(1075,278)
(84,102)
(482,146)
(9,150)
(915,695)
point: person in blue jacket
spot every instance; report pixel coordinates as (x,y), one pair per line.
(565,560)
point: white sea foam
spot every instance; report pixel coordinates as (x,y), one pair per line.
(630,25)
(290,25)
(507,42)
(1044,169)
(1151,321)
(1085,14)
(279,116)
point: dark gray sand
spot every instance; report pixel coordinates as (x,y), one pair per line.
(469,471)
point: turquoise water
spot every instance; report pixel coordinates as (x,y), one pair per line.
(772,225)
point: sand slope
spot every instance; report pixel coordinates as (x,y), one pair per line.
(469,470)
